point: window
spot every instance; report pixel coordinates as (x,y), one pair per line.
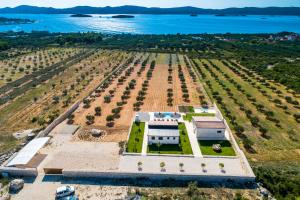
(174,138)
(168,138)
(152,138)
(219,131)
(160,138)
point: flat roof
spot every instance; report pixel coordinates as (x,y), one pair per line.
(205,118)
(163,132)
(28,152)
(163,123)
(210,124)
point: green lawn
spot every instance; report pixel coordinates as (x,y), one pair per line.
(135,142)
(206,147)
(188,116)
(184,146)
(186,109)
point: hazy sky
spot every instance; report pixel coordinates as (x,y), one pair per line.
(150,3)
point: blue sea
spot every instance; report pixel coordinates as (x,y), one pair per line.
(156,24)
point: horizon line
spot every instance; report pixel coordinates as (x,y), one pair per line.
(150,7)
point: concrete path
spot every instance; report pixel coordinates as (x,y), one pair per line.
(145,140)
(193,139)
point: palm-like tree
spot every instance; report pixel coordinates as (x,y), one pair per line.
(162,166)
(158,145)
(221,165)
(181,167)
(140,165)
(203,167)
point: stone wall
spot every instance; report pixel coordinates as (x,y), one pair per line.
(19,172)
(58,120)
(131,176)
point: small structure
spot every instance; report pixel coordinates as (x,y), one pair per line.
(209,128)
(217,147)
(142,117)
(96,132)
(163,132)
(27,153)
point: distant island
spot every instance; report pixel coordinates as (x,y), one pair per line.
(193,15)
(227,15)
(80,15)
(123,16)
(130,10)
(12,21)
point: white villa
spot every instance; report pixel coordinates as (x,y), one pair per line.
(163,132)
(209,128)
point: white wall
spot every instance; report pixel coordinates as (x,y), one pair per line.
(210,134)
(165,140)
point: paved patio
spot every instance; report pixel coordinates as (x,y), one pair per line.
(145,140)
(192,165)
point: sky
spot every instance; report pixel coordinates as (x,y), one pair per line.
(152,3)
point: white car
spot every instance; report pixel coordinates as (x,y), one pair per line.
(64,191)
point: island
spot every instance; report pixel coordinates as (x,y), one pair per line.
(12,21)
(80,15)
(230,15)
(123,16)
(193,15)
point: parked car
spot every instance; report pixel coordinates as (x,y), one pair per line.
(16,185)
(64,191)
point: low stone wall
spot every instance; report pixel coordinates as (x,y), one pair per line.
(19,172)
(58,120)
(131,176)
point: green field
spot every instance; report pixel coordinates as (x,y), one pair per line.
(242,100)
(206,148)
(184,146)
(135,142)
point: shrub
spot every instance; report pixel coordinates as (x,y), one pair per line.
(90,119)
(109,118)
(98,111)
(107,99)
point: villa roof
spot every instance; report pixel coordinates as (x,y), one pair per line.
(163,132)
(162,123)
(210,124)
(205,119)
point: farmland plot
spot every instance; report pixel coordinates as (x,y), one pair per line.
(40,105)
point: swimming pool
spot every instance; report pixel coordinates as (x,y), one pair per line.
(166,115)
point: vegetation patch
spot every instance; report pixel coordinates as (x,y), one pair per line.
(281,180)
(135,142)
(186,109)
(206,147)
(189,116)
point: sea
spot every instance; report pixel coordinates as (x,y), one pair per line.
(155,24)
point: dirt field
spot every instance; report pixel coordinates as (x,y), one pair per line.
(122,124)
(155,99)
